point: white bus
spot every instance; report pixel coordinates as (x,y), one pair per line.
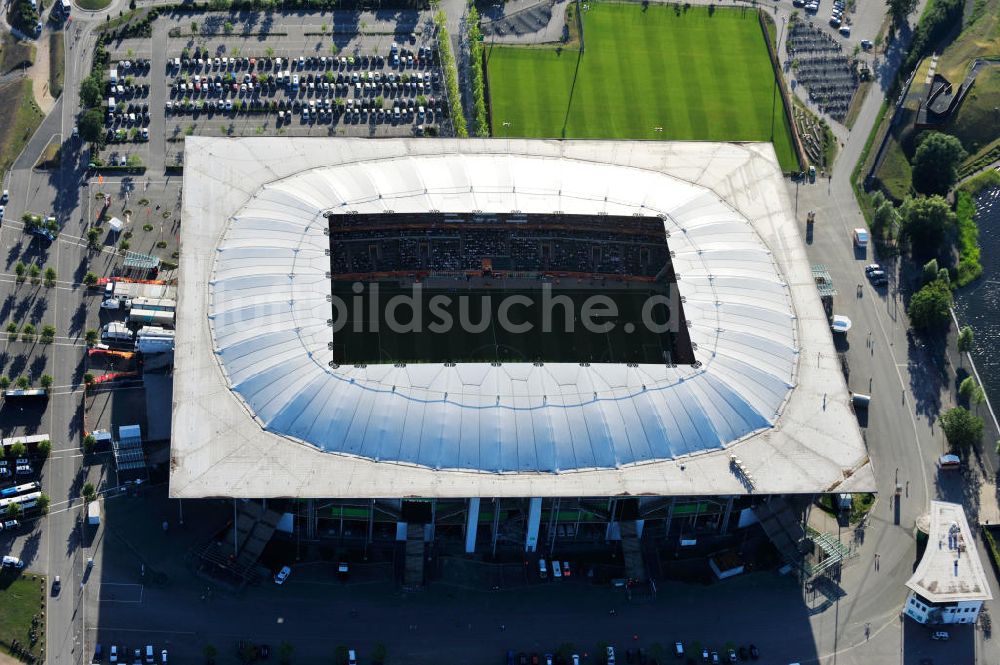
(25,500)
(8,492)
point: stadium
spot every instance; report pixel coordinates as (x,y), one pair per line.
(308,366)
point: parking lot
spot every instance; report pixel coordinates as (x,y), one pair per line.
(312,75)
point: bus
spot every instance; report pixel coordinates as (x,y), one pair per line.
(24,500)
(20,489)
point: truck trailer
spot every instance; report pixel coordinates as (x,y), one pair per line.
(150,316)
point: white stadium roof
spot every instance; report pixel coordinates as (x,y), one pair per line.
(260,411)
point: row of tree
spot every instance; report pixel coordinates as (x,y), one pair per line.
(477,64)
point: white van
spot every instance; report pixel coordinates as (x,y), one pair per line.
(12,562)
(861,237)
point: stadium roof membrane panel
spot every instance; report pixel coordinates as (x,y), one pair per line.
(260,410)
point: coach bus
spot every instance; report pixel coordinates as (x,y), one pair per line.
(20,489)
(25,501)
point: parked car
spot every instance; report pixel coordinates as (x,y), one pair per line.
(282,575)
(56,586)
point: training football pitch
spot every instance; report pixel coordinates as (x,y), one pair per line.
(698,75)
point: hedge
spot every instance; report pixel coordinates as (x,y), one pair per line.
(450,76)
(481,127)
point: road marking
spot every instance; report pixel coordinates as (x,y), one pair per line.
(128,588)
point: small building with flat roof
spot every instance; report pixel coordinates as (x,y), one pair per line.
(949,585)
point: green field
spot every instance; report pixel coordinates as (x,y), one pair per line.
(699,75)
(439,338)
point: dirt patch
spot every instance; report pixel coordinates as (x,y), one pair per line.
(39,74)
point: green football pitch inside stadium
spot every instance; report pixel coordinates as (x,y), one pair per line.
(443,333)
(652,73)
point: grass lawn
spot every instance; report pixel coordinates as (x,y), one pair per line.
(93,5)
(57,63)
(699,75)
(20,600)
(977,122)
(15,53)
(19,118)
(49,159)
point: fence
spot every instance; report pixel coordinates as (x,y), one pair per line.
(786,101)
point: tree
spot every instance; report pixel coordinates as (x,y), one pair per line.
(43,504)
(900,10)
(930,271)
(340,655)
(19,270)
(962,428)
(4,383)
(378,654)
(23,382)
(227,27)
(44,448)
(210,652)
(935,163)
(90,337)
(28,332)
(17,449)
(48,333)
(925,221)
(967,387)
(285,653)
(93,242)
(34,271)
(90,91)
(46,381)
(91,126)
(89,493)
(89,443)
(248,653)
(50,276)
(88,378)
(930,306)
(90,278)
(14,511)
(964,342)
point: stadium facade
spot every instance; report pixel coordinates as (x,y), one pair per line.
(746,402)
